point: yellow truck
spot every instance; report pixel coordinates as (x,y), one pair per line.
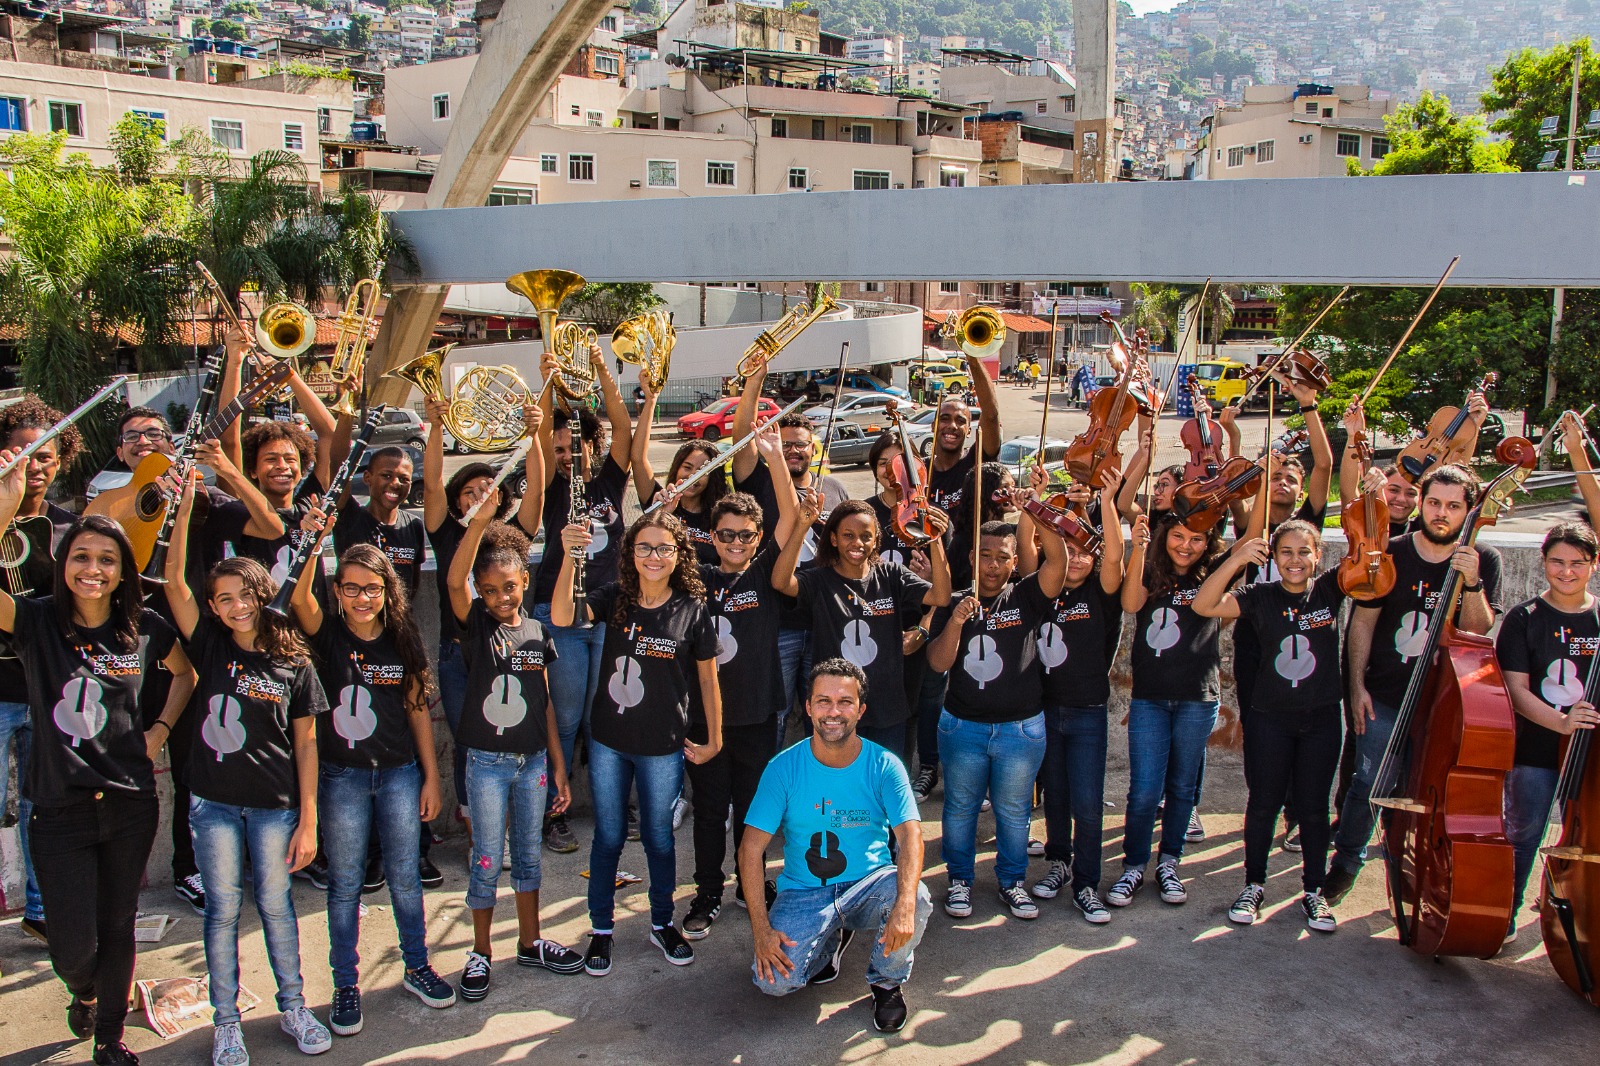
(1222,379)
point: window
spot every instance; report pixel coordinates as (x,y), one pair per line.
(1380,147)
(609,23)
(819,129)
(13,113)
(441,106)
(952,176)
(719,173)
(799,178)
(67,118)
(780,127)
(661,173)
(509,196)
(872,286)
(294,136)
(950,288)
(575,110)
(580,167)
(1040,107)
(1236,156)
(228,132)
(1311,107)
(861,134)
(1071,103)
(549,163)
(986,290)
(1348,144)
(1264,150)
(872,179)
(594,118)
(154,120)
(324,121)
(606,63)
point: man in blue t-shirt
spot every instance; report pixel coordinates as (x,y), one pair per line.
(836,797)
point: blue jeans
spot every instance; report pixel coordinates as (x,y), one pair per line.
(612,775)
(794,656)
(1530,792)
(814,918)
(574,678)
(222,832)
(505,790)
(999,761)
(1355,817)
(1166,756)
(1073,776)
(452,673)
(352,803)
(16,723)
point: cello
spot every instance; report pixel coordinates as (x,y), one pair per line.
(911,481)
(1450,438)
(1447,859)
(1367,570)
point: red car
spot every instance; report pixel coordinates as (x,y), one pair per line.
(716,419)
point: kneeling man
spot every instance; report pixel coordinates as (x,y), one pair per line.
(836,797)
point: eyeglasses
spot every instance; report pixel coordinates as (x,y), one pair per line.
(355,592)
(743,536)
(660,551)
(154,436)
(797,446)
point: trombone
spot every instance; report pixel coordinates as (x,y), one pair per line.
(282,330)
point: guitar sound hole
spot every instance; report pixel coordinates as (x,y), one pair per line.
(150,503)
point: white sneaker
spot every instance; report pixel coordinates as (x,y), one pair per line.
(680,808)
(310,1035)
(227,1046)
(958,899)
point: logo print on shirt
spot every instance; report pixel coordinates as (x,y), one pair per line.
(1412,636)
(823,858)
(982,661)
(730,646)
(222,730)
(504,707)
(1052,646)
(626,687)
(1162,632)
(280,564)
(1295,662)
(1561,686)
(858,646)
(79,713)
(353,718)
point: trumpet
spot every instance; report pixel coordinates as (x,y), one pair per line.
(286,318)
(769,342)
(485,411)
(568,342)
(647,341)
(356,329)
(978,331)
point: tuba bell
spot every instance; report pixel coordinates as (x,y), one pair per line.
(978,331)
(485,410)
(284,330)
(568,342)
(647,341)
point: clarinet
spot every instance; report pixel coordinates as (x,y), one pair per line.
(155,570)
(578,514)
(308,551)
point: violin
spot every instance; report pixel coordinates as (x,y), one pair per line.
(1203,437)
(1111,413)
(1200,505)
(1069,523)
(1449,862)
(1367,570)
(1451,437)
(910,517)
(1297,367)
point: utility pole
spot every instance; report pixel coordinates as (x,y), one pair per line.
(1559,304)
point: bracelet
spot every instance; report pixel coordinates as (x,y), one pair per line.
(1473,588)
(163,725)
(922,631)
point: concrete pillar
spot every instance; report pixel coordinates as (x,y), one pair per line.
(525,47)
(1094,41)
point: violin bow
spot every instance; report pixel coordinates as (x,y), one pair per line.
(1401,343)
(1264,493)
(1290,348)
(1049,365)
(977,509)
(838,389)
(1177,361)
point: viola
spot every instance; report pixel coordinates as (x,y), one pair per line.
(1449,862)
(1111,413)
(1450,438)
(1202,436)
(1367,570)
(1569,895)
(1200,505)
(910,517)
(1063,517)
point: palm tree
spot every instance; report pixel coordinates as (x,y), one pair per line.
(1157,307)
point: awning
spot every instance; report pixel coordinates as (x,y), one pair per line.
(1015,321)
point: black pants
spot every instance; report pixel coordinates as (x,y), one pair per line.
(729,780)
(180,739)
(90,858)
(1284,752)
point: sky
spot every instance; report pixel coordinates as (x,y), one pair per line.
(1144,7)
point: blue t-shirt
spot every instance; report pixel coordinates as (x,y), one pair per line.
(835,823)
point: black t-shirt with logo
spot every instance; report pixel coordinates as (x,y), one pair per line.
(34,576)
(84,696)
(1078,643)
(1402,627)
(891,547)
(997,676)
(403,541)
(243,753)
(444,541)
(696,523)
(649,665)
(367,725)
(1246,649)
(604,494)
(224,537)
(1301,671)
(746,611)
(1176,652)
(1557,652)
(508,690)
(862,621)
(947,487)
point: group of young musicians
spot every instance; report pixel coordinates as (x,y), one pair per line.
(302,741)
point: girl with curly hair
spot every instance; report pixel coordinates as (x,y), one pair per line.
(252,778)
(660,640)
(378,773)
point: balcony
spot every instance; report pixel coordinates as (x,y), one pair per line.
(954,149)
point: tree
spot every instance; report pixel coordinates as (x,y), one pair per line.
(1428,137)
(359,32)
(1158,305)
(1530,85)
(227,29)
(241,9)
(605,306)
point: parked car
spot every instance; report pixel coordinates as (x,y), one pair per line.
(855,381)
(1020,453)
(868,409)
(400,425)
(715,419)
(849,444)
(941,378)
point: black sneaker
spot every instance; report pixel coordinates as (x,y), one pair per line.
(429,987)
(672,945)
(192,891)
(597,958)
(116,1054)
(315,871)
(429,874)
(374,880)
(475,977)
(1089,904)
(548,955)
(769,889)
(633,823)
(36,928)
(558,836)
(888,1009)
(345,1017)
(922,788)
(702,912)
(1338,884)
(830,969)
(1319,916)
(81,1016)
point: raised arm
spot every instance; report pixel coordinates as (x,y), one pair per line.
(744,420)
(1053,573)
(185,609)
(530,512)
(466,555)
(769,446)
(1211,599)
(939,594)
(435,506)
(1321,449)
(1138,466)
(563,608)
(1134,592)
(616,409)
(307,611)
(1572,436)
(1111,544)
(793,537)
(644,475)
(228,391)
(944,648)
(988,407)
(264,521)
(1355,423)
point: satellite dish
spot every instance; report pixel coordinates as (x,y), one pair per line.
(676,60)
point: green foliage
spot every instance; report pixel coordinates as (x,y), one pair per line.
(227,29)
(200,27)
(302,69)
(1157,306)
(604,306)
(1017,25)
(1530,85)
(241,9)
(1428,137)
(138,145)
(359,32)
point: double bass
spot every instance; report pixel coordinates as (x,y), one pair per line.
(1448,861)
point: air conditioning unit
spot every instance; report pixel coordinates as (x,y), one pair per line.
(1305,138)
(1251,150)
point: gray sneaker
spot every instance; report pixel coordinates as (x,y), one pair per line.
(310,1035)
(558,836)
(227,1046)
